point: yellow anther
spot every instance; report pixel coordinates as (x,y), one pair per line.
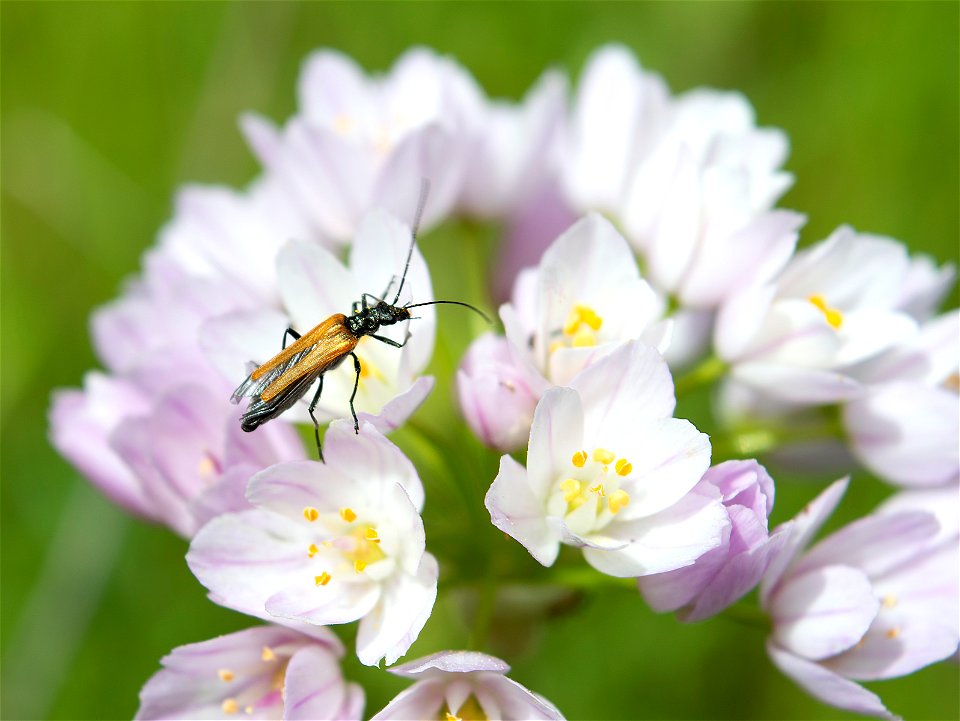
(311,513)
(618,500)
(451,717)
(207,468)
(225,674)
(624,467)
(359,565)
(598,489)
(267,654)
(589,316)
(348,515)
(323,579)
(892,633)
(230,705)
(584,338)
(573,322)
(371,535)
(571,489)
(834,317)
(312,551)
(889,601)
(602,455)
(579,459)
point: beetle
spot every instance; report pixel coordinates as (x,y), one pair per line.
(275,386)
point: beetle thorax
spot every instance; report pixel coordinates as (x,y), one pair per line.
(368,320)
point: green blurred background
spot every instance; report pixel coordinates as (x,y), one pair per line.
(108,107)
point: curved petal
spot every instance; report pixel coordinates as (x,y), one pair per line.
(401,614)
(827,686)
(556,434)
(824,611)
(313,686)
(518,512)
(397,410)
(443,662)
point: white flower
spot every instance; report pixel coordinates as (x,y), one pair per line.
(833,306)
(459,685)
(329,543)
(314,285)
(583,301)
(609,470)
(360,143)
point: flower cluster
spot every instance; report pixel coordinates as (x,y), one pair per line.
(640,238)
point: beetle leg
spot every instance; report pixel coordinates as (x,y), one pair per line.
(389,285)
(356,383)
(290,331)
(316,426)
(390,341)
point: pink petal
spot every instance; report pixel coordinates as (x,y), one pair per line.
(824,611)
(519,513)
(827,686)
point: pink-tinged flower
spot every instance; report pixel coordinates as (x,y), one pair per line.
(609,470)
(494,394)
(514,150)
(314,285)
(875,600)
(725,574)
(619,114)
(906,427)
(176,456)
(925,287)
(457,685)
(584,300)
(329,543)
(359,143)
(266,672)
(698,208)
(221,234)
(832,307)
(691,179)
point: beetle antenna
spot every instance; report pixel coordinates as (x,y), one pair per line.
(453,302)
(424,190)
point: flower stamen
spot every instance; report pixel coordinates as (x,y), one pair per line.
(225,674)
(323,579)
(311,513)
(348,515)
(617,501)
(834,317)
(230,706)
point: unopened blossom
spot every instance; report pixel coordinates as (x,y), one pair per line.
(177,457)
(359,143)
(875,600)
(514,150)
(583,300)
(329,543)
(461,685)
(832,307)
(494,393)
(725,574)
(906,426)
(611,471)
(265,672)
(315,285)
(691,179)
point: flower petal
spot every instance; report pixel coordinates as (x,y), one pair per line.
(518,512)
(827,686)
(824,611)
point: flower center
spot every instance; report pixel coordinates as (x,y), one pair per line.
(264,692)
(470,710)
(355,546)
(591,495)
(580,330)
(834,317)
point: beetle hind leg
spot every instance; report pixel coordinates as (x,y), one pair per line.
(316,425)
(356,384)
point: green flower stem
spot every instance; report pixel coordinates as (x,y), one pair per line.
(747,616)
(704,374)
